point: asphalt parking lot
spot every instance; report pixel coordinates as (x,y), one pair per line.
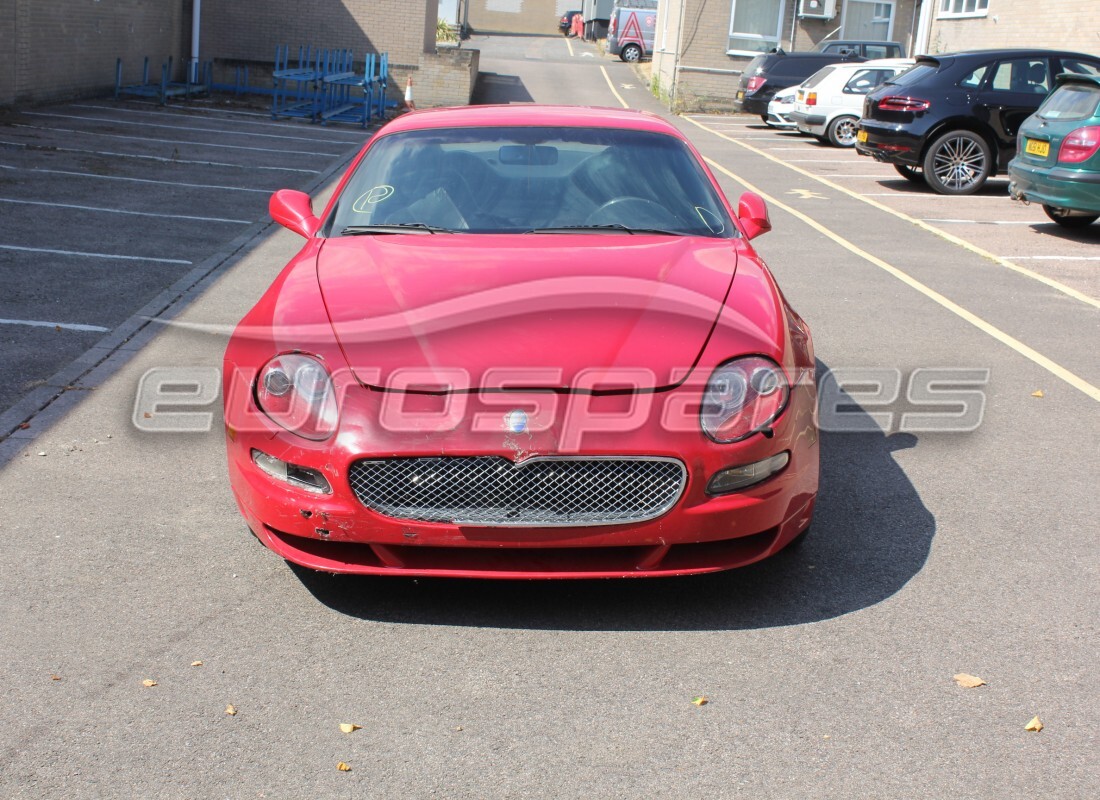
(112,211)
(1018,236)
(137,607)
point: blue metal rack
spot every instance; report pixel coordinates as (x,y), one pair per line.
(166,88)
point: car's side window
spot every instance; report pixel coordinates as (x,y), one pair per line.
(866,79)
(877,51)
(1080,67)
(1026,75)
(974,79)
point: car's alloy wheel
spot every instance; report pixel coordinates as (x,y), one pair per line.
(842,131)
(631,53)
(957,163)
(1067,219)
(911,174)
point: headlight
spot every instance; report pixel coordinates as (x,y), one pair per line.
(296,392)
(742,397)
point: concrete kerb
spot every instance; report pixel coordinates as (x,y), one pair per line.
(35,413)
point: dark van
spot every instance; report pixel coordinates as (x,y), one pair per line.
(769,72)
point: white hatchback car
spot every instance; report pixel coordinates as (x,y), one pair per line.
(780,108)
(828,103)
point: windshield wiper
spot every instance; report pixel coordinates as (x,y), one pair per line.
(394,227)
(613,227)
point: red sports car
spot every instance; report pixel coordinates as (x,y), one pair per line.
(523,342)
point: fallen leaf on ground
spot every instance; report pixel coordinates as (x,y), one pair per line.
(231,710)
(1035,725)
(699,701)
(969,681)
(24,425)
(458,727)
(343,767)
(148,682)
(1037,393)
(147,415)
(348,727)
(55,677)
(196,663)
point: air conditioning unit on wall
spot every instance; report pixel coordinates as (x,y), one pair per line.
(817,9)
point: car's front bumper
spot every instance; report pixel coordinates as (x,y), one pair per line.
(1060,187)
(701,533)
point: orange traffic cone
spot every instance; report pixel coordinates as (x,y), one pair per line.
(409,104)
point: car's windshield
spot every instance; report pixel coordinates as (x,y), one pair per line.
(1072,101)
(523,179)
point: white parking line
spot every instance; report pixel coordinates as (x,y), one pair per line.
(65,326)
(121,211)
(82,254)
(165,159)
(187,128)
(939,198)
(192,110)
(983,221)
(134,180)
(175,141)
(1056,258)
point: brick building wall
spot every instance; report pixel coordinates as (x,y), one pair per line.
(250,30)
(518,16)
(1064,25)
(67,48)
(703,77)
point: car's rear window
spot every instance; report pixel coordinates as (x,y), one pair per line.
(1071,101)
(915,75)
(519,179)
(754,65)
(818,77)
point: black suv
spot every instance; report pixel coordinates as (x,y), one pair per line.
(769,72)
(952,119)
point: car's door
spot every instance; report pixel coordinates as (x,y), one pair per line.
(1013,90)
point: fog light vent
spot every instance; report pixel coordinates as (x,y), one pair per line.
(303,477)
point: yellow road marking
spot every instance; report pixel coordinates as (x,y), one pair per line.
(611,86)
(569,44)
(1032,355)
(807,194)
(1004,262)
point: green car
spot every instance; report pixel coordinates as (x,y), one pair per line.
(1057,159)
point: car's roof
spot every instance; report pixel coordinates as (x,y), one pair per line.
(878,62)
(1008,51)
(526,114)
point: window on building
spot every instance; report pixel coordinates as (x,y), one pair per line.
(963,8)
(756,26)
(868,19)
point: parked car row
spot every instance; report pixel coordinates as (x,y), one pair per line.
(953,121)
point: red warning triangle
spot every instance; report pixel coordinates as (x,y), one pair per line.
(631,30)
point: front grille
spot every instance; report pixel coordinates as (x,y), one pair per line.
(490,490)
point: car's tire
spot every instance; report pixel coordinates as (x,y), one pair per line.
(842,131)
(822,139)
(958,163)
(1067,219)
(765,118)
(631,53)
(911,174)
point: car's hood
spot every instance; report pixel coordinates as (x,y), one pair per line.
(459,312)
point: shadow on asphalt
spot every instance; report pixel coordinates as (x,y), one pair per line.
(871,534)
(493,88)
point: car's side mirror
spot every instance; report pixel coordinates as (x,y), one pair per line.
(752,211)
(294,210)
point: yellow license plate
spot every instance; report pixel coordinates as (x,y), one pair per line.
(1036,148)
(740,95)
(861,136)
